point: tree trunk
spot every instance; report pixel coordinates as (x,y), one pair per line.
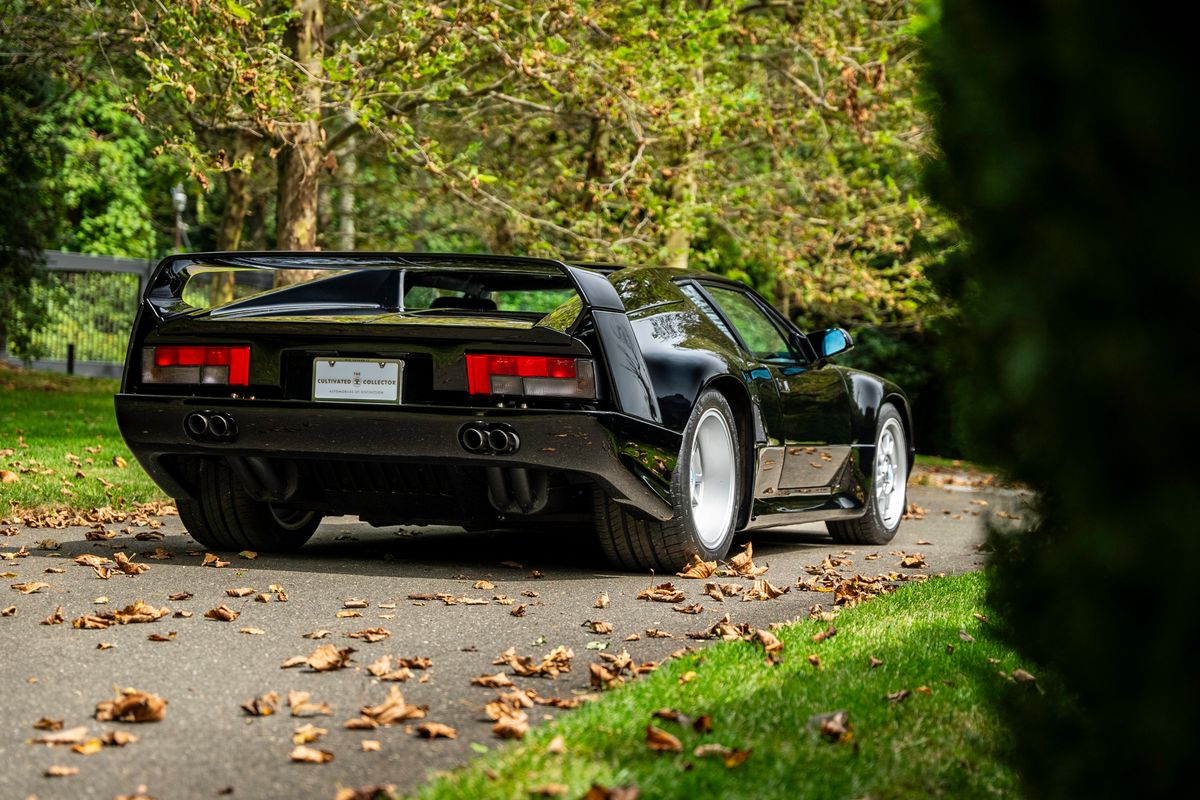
(348,167)
(597,155)
(683,185)
(233,220)
(300,159)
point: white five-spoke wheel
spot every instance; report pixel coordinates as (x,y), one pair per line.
(712,478)
(887,496)
(891,472)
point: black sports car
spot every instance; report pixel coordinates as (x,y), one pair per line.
(265,391)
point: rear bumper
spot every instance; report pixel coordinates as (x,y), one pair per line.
(630,459)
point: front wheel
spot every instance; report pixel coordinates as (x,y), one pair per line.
(705,489)
(224,516)
(889,479)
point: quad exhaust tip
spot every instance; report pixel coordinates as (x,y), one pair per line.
(496,439)
(209,426)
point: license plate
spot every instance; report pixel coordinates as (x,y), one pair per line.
(357,380)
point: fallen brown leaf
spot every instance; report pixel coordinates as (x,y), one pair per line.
(262,706)
(30,587)
(601,601)
(242,591)
(436,730)
(328,657)
(307,734)
(743,563)
(662,593)
(301,705)
(69,736)
(371,635)
(222,613)
(132,706)
(308,755)
(496,681)
(662,742)
(54,619)
(599,627)
(211,560)
(698,569)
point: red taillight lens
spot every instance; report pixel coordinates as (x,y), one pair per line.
(531,376)
(197,364)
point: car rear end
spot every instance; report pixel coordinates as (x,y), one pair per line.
(397,388)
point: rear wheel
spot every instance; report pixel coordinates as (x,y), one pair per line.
(224,517)
(889,476)
(704,494)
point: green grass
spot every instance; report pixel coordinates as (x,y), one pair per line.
(55,415)
(946,744)
(937,462)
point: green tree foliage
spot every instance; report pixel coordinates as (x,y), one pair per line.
(1068,130)
(26,161)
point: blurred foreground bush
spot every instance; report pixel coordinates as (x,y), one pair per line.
(1069,133)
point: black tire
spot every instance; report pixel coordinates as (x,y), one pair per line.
(871,528)
(635,543)
(224,517)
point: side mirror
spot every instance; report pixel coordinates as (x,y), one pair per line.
(830,342)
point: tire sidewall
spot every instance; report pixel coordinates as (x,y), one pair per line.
(709,399)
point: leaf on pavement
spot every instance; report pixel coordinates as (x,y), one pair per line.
(742,564)
(56,770)
(329,657)
(301,705)
(262,706)
(601,601)
(370,745)
(695,608)
(518,610)
(132,706)
(355,602)
(307,733)
(660,741)
(436,730)
(242,591)
(497,681)
(69,736)
(30,587)
(125,564)
(382,668)
(211,560)
(912,561)
(371,635)
(655,633)
(91,622)
(158,637)
(177,596)
(698,569)
(392,710)
(222,613)
(302,754)
(552,664)
(54,619)
(662,593)
(9,611)
(348,614)
(599,627)
(487,586)
(117,738)
(318,634)
(47,724)
(764,590)
(90,560)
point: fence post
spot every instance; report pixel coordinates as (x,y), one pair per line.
(70,359)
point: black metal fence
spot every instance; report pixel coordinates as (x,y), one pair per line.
(92,302)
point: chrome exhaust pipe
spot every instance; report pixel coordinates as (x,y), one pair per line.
(219,426)
(499,440)
(196,425)
(472,439)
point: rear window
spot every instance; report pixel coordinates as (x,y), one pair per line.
(242,290)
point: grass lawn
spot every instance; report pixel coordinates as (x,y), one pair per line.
(45,419)
(942,740)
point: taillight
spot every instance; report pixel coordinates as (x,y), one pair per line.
(223,365)
(531,376)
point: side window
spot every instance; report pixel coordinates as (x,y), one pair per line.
(762,337)
(693,294)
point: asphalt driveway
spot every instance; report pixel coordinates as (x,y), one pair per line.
(207,746)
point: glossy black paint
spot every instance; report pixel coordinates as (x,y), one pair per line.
(807,424)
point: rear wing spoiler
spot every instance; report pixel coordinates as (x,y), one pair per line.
(620,354)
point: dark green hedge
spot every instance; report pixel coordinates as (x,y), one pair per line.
(1070,137)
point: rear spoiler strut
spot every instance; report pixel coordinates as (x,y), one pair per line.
(619,351)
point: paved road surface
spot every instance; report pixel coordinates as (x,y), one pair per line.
(207,747)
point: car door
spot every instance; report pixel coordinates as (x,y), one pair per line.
(813,421)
